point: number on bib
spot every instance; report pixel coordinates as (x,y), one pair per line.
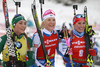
(81,53)
(49,51)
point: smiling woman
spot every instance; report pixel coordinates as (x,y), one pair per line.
(20,27)
(79,23)
(50,38)
(78,44)
(19,24)
(21,41)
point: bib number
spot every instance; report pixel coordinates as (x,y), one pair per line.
(80,53)
(49,51)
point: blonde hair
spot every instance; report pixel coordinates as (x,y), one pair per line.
(71,31)
(42,26)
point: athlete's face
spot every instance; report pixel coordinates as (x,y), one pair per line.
(49,23)
(79,26)
(20,27)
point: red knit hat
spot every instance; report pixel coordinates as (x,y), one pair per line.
(78,17)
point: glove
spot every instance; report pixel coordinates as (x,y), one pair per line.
(61,34)
(20,64)
(70,51)
(8,64)
(90,31)
(92,52)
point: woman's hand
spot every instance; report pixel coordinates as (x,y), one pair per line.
(92,52)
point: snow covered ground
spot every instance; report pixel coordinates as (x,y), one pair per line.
(63,13)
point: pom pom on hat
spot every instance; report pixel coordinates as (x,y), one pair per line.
(48,13)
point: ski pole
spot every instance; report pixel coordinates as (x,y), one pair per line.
(41,2)
(75,7)
(67,43)
(18,4)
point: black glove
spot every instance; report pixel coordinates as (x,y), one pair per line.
(90,31)
(20,64)
(61,34)
(8,64)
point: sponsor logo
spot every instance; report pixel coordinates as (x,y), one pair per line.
(50,45)
(78,42)
(18,44)
(79,46)
(48,41)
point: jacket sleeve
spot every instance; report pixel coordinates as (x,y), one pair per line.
(31,56)
(2,42)
(94,45)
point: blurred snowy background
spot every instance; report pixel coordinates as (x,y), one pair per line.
(64,13)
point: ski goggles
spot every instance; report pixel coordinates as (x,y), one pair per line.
(80,16)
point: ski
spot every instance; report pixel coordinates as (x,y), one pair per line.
(12,50)
(67,43)
(88,41)
(35,17)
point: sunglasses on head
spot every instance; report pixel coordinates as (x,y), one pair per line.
(79,16)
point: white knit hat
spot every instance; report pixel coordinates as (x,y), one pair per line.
(48,13)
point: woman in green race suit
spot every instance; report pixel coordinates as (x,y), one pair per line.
(22,42)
